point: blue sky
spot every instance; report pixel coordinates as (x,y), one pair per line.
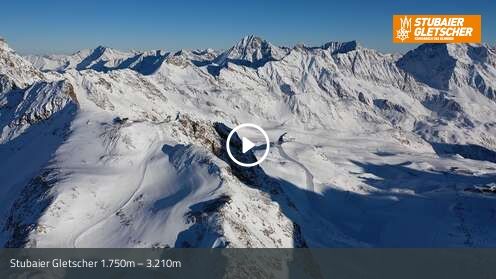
(66,26)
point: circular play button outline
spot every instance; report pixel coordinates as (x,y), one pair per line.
(248,125)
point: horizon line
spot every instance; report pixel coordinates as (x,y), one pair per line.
(174,50)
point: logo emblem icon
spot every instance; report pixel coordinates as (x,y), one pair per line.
(405,28)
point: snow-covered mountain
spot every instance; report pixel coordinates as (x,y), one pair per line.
(252,51)
(101,59)
(15,72)
(104,59)
(106,148)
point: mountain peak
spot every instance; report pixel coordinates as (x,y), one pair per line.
(102,58)
(251,51)
(15,71)
(461,52)
(341,47)
(101,49)
(250,40)
(249,44)
(443,66)
(4,45)
(431,64)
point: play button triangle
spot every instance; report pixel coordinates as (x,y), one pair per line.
(247,145)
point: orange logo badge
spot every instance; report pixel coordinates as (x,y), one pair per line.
(436,29)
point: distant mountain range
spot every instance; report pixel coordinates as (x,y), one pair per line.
(109,148)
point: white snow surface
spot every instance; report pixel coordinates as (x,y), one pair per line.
(107,148)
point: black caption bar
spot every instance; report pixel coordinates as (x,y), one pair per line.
(247,263)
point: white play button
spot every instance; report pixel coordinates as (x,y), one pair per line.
(247,145)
